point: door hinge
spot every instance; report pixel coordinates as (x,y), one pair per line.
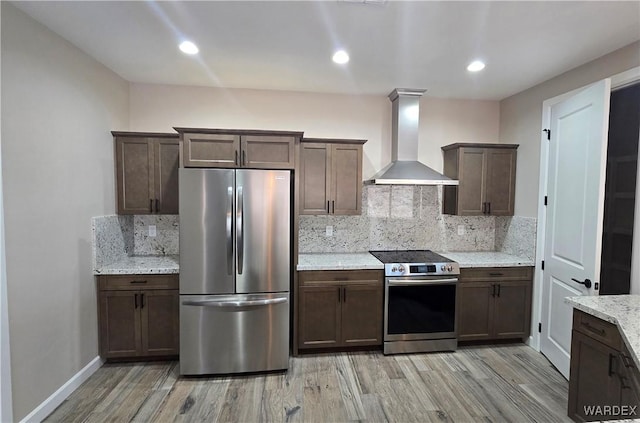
(545,200)
(548,131)
(539,327)
(542,264)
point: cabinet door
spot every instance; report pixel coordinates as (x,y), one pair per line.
(592,380)
(475,311)
(501,181)
(134,175)
(512,310)
(120,324)
(315,178)
(319,316)
(346,179)
(159,322)
(167,157)
(211,150)
(362,314)
(471,173)
(268,152)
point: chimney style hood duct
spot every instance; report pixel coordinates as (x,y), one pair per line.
(405,169)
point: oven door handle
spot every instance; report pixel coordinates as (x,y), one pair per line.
(414,282)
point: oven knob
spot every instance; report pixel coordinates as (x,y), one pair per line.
(394,269)
(401,269)
(443,267)
(449,268)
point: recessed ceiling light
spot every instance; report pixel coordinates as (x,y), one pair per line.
(341,57)
(475,66)
(188,47)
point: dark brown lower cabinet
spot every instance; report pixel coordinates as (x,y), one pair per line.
(339,309)
(494,303)
(604,381)
(138,316)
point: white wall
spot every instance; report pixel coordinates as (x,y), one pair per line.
(58,106)
(521,117)
(161,107)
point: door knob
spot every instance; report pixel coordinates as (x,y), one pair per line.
(586,282)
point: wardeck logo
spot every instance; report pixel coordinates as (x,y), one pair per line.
(610,410)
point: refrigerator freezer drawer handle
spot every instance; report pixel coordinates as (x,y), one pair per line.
(227,304)
(240,230)
(229,230)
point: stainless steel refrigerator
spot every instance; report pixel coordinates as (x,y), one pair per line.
(235,264)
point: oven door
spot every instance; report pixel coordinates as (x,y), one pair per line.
(420,308)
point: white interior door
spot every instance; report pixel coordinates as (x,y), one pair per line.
(575,208)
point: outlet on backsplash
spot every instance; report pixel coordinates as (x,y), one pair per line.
(461,230)
(329,231)
(152,230)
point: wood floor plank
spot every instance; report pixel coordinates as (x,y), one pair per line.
(498,383)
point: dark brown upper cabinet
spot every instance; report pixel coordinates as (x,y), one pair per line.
(487,175)
(331,176)
(147,172)
(238,148)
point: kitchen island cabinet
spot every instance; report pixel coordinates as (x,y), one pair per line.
(331,176)
(231,148)
(146,172)
(604,381)
(138,316)
(339,309)
(494,303)
(487,175)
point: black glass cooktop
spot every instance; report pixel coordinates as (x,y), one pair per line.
(409,256)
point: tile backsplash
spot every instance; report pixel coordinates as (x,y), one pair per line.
(393,217)
(409,217)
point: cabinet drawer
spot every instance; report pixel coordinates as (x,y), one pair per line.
(495,274)
(597,329)
(137,282)
(339,276)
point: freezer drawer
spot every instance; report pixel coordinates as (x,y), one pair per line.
(234,333)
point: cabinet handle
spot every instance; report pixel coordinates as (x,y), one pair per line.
(138,282)
(626,360)
(141,301)
(590,328)
(339,294)
(610,370)
(344,295)
(333,206)
(489,208)
(235,161)
(498,289)
(244,158)
(623,383)
(493,289)
(484,208)
(328,209)
(150,205)
(135,300)
(157,205)
(496,274)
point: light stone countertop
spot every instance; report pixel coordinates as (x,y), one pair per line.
(486,259)
(621,310)
(338,261)
(141,265)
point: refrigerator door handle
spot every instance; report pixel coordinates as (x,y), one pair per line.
(240,230)
(235,304)
(229,230)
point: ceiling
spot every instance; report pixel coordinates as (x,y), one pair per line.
(288,45)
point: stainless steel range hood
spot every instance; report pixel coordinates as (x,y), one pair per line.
(405,169)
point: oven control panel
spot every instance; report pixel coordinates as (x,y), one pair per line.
(421,269)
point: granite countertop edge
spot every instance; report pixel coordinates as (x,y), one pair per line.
(141,265)
(618,310)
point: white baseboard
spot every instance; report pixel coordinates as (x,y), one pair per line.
(51,403)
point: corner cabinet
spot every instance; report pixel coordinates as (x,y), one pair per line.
(138,316)
(232,148)
(487,175)
(147,172)
(331,176)
(604,382)
(339,309)
(494,303)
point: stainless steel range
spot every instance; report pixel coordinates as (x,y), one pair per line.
(420,301)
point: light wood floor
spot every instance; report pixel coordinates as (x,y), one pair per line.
(482,383)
